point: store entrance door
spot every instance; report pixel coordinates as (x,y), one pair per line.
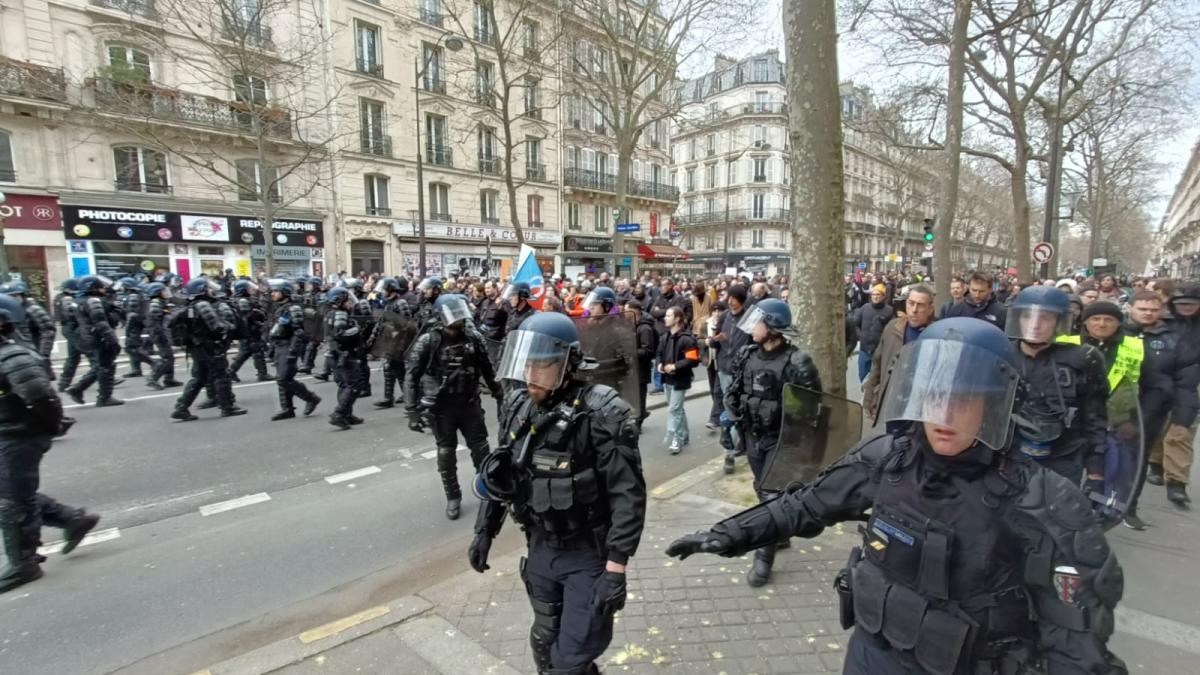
(366,255)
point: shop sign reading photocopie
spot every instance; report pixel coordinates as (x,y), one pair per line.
(113,224)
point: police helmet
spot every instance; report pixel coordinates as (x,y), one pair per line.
(402,284)
(338,295)
(11,312)
(14,288)
(521,289)
(960,375)
(431,284)
(69,285)
(603,296)
(201,287)
(1038,314)
(452,308)
(387,285)
(284,286)
(154,288)
(244,288)
(773,312)
(541,351)
(354,284)
(94,283)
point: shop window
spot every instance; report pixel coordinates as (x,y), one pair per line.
(8,168)
(141,170)
(253,177)
(116,259)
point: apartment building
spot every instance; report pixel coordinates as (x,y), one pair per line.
(1179,236)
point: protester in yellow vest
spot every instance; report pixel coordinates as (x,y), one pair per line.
(1101,328)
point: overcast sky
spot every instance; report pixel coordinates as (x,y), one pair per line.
(855,66)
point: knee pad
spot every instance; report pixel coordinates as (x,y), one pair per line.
(543,633)
(10,513)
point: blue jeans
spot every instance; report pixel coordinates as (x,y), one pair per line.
(864,364)
(656,377)
(726,380)
(677,426)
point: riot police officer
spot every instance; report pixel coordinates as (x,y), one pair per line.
(600,302)
(158,311)
(290,344)
(394,316)
(1065,403)
(442,378)
(754,400)
(363,316)
(312,299)
(570,472)
(975,559)
(346,340)
(429,290)
(99,341)
(134,308)
(254,319)
(37,330)
(30,415)
(518,294)
(207,329)
(66,312)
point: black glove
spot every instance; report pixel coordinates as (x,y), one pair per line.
(477,553)
(1094,485)
(700,542)
(608,593)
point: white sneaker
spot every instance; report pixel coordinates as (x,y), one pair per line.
(675,448)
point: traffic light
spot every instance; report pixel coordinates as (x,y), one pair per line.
(929,230)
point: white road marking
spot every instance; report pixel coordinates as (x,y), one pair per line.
(429,455)
(96,537)
(351,475)
(167,501)
(221,507)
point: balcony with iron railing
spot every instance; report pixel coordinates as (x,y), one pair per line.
(379,211)
(29,80)
(720,216)
(142,8)
(376,144)
(173,106)
(536,224)
(432,17)
(486,97)
(485,36)
(8,175)
(135,185)
(438,155)
(434,85)
(535,172)
(440,217)
(489,220)
(602,182)
(489,165)
(369,67)
(652,190)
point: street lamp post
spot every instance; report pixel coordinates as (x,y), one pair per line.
(419,68)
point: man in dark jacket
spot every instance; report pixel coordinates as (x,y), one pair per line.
(727,341)
(869,322)
(918,314)
(981,302)
(678,355)
(667,299)
(647,345)
(1177,442)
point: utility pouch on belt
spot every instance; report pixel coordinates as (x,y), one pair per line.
(844,585)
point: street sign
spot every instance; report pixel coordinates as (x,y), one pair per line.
(1099,262)
(926,254)
(1043,253)
(862,265)
(929,247)
(628,227)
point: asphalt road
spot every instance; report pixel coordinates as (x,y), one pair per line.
(232,533)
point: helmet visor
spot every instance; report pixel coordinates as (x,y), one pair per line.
(1036,324)
(955,386)
(248,287)
(753,317)
(511,290)
(534,358)
(594,302)
(455,310)
(381,285)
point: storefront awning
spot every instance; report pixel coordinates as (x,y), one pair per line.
(661,252)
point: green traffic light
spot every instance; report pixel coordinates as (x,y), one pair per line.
(928,236)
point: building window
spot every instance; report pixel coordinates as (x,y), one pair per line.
(533,98)
(437,150)
(8,168)
(758,205)
(366,49)
(485,82)
(760,135)
(488,163)
(760,70)
(253,177)
(129,63)
(731,173)
(439,202)
(379,202)
(534,169)
(710,176)
(485,29)
(600,218)
(141,170)
(573,212)
(433,79)
(691,149)
(760,169)
(714,110)
(431,12)
(489,207)
(710,205)
(533,211)
(374,141)
(756,238)
(530,36)
(710,144)
(691,180)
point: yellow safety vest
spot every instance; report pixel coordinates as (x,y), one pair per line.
(1129,359)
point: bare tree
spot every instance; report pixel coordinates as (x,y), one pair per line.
(257,126)
(817,221)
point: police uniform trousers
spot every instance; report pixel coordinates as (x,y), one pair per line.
(102,361)
(286,367)
(70,365)
(23,509)
(309,357)
(164,369)
(449,419)
(137,350)
(393,372)
(759,450)
(567,634)
(867,654)
(208,368)
(347,372)
(248,349)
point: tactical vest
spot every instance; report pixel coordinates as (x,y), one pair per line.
(936,578)
(1130,353)
(12,408)
(560,504)
(457,372)
(762,389)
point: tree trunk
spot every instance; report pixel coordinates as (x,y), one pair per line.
(268,209)
(1098,210)
(624,162)
(510,183)
(1020,200)
(817,219)
(954,125)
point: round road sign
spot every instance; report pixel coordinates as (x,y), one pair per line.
(1043,252)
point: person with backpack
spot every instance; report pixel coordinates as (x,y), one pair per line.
(252,343)
(206,329)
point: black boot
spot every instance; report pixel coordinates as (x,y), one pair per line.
(151,384)
(1154,474)
(385,403)
(108,402)
(453,508)
(233,411)
(183,415)
(171,382)
(339,421)
(210,403)
(77,528)
(354,420)
(1177,493)
(233,377)
(75,394)
(283,415)
(22,560)
(760,572)
(266,377)
(311,404)
(447,462)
